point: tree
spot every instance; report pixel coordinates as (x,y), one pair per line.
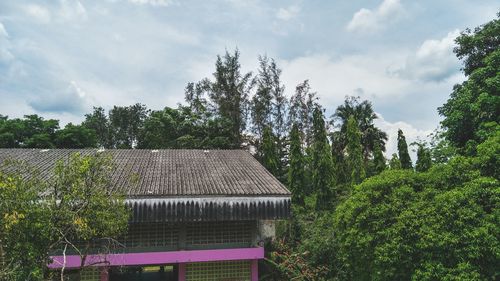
(229,93)
(87,210)
(424,161)
(268,109)
(127,123)
(379,161)
(354,152)
(182,128)
(435,225)
(394,163)
(78,208)
(363,113)
(25,224)
(302,105)
(99,122)
(270,155)
(476,102)
(297,182)
(323,180)
(75,136)
(404,156)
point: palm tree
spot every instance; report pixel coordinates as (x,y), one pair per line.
(364,115)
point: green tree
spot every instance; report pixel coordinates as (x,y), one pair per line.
(127,123)
(38,217)
(75,136)
(302,105)
(476,102)
(229,93)
(354,152)
(424,161)
(270,155)
(297,181)
(394,163)
(404,156)
(379,161)
(436,225)
(322,169)
(363,113)
(99,122)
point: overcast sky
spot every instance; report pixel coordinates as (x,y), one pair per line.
(60,58)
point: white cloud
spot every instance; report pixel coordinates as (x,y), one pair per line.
(71,10)
(70,100)
(371,20)
(5,54)
(336,78)
(411,133)
(37,12)
(163,3)
(433,61)
(3,31)
(288,13)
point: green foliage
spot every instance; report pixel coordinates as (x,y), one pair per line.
(437,225)
(379,161)
(424,161)
(25,225)
(30,132)
(394,163)
(270,156)
(354,152)
(476,102)
(297,181)
(75,136)
(183,128)
(76,209)
(229,93)
(99,122)
(363,113)
(302,105)
(404,156)
(126,124)
(322,169)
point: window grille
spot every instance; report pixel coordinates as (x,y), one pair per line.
(151,235)
(219,271)
(90,274)
(209,233)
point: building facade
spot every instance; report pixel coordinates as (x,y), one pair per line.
(197,215)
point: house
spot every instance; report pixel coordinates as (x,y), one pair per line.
(197,214)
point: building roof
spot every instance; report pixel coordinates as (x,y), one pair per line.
(182,185)
(171,172)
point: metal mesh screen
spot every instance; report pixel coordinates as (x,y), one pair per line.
(219,271)
(152,235)
(209,233)
(90,274)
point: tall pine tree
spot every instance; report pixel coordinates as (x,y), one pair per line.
(323,180)
(270,156)
(355,152)
(379,160)
(296,170)
(404,156)
(229,93)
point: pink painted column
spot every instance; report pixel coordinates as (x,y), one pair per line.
(255,270)
(104,274)
(182,272)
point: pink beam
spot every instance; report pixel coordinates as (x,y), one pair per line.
(152,258)
(255,270)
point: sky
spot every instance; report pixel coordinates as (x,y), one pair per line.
(60,58)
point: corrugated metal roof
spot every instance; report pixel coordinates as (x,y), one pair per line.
(171,172)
